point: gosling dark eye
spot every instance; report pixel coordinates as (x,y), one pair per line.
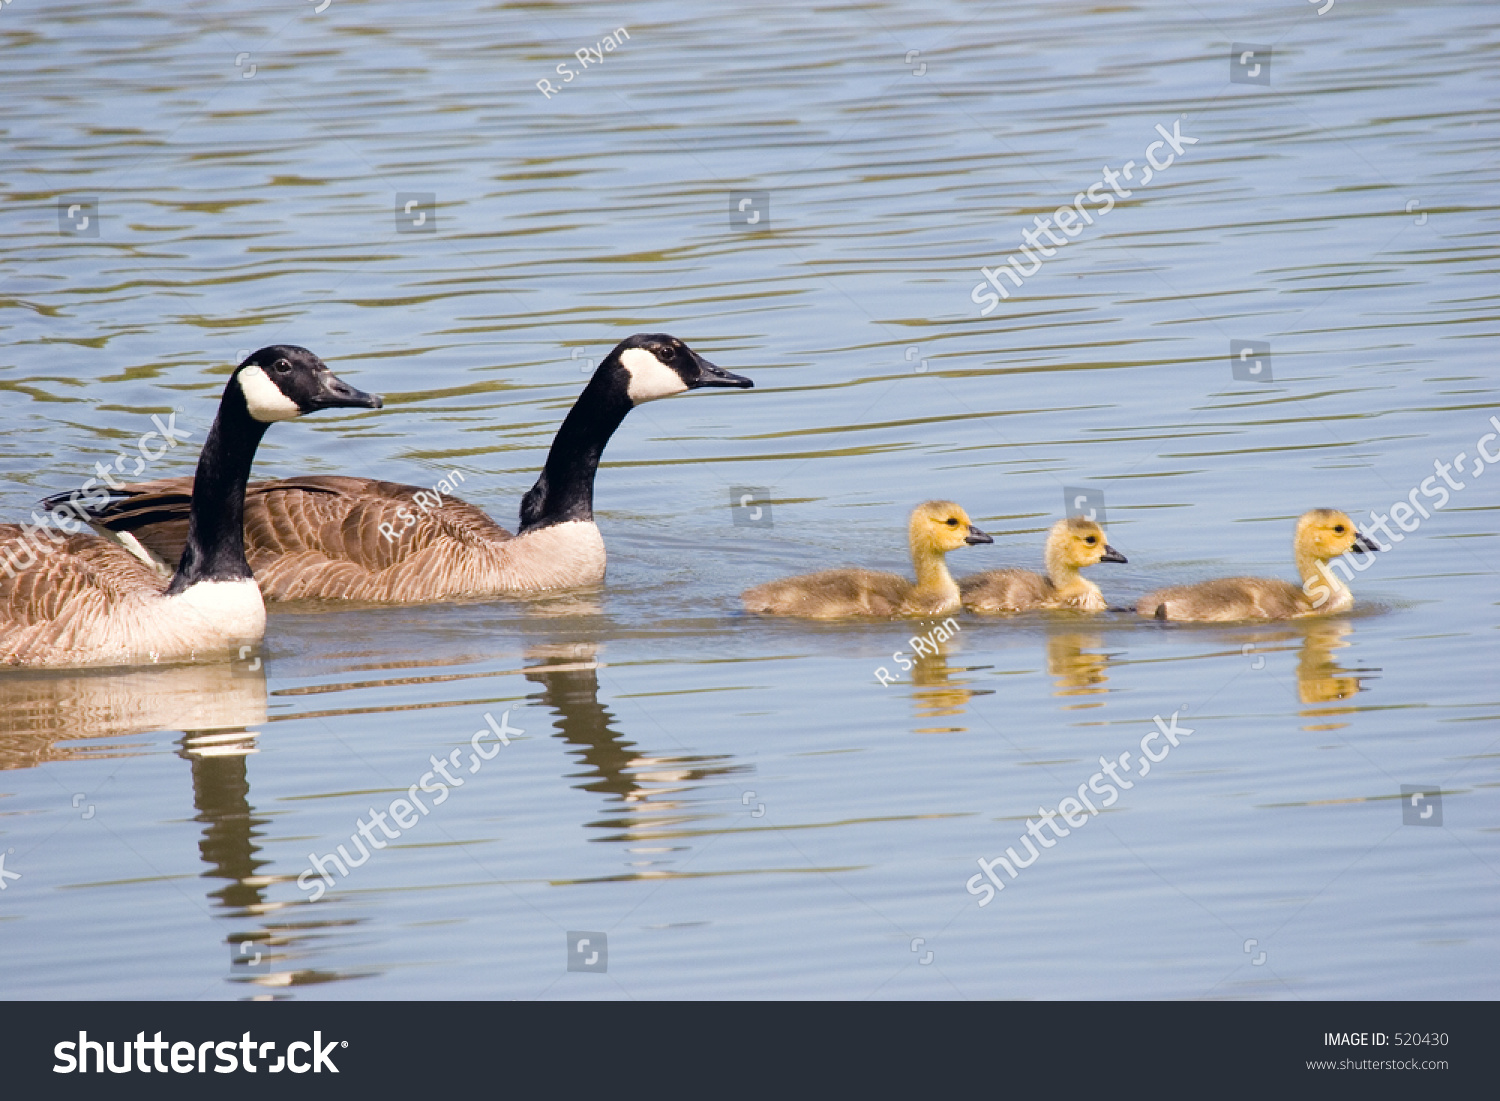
(1339,528)
(281,367)
(952,523)
(1090,540)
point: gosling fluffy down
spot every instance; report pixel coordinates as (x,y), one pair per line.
(1322,535)
(1072,545)
(936,528)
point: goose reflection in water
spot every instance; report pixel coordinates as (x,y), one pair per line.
(649,787)
(63,717)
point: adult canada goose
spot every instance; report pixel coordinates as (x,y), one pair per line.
(1322,535)
(1072,544)
(338,538)
(936,528)
(82,600)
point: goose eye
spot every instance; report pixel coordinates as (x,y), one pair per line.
(1090,540)
(668,353)
(1339,529)
(951,522)
(281,367)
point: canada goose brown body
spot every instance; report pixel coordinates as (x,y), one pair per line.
(82,600)
(1322,535)
(935,528)
(344,538)
(1072,545)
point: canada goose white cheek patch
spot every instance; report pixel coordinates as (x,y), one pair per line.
(650,378)
(264,398)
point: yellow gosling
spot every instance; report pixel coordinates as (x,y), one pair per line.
(936,528)
(1322,535)
(1072,544)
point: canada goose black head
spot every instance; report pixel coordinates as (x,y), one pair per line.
(283,381)
(655,365)
(277,383)
(641,368)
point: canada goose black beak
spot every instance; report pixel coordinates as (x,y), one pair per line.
(976,536)
(1112,555)
(1364,542)
(335,393)
(710,375)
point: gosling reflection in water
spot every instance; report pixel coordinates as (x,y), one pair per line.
(938,688)
(1072,658)
(649,785)
(1320,677)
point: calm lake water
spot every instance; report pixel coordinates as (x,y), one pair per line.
(726,807)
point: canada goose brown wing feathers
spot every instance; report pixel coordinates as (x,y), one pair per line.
(830,594)
(1228,598)
(319,537)
(53,601)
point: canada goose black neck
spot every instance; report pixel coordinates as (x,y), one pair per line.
(564,490)
(277,383)
(215,548)
(641,368)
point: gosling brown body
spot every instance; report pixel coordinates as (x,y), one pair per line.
(935,528)
(1322,535)
(1072,545)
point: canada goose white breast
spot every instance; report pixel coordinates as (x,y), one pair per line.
(558,556)
(220,612)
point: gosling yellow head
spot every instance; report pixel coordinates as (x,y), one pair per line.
(1075,543)
(1326,533)
(938,527)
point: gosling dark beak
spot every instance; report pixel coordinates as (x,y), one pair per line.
(335,393)
(976,536)
(1364,542)
(1112,555)
(710,375)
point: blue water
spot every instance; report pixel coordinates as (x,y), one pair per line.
(741,807)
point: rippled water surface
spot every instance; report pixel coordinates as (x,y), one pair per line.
(742,808)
